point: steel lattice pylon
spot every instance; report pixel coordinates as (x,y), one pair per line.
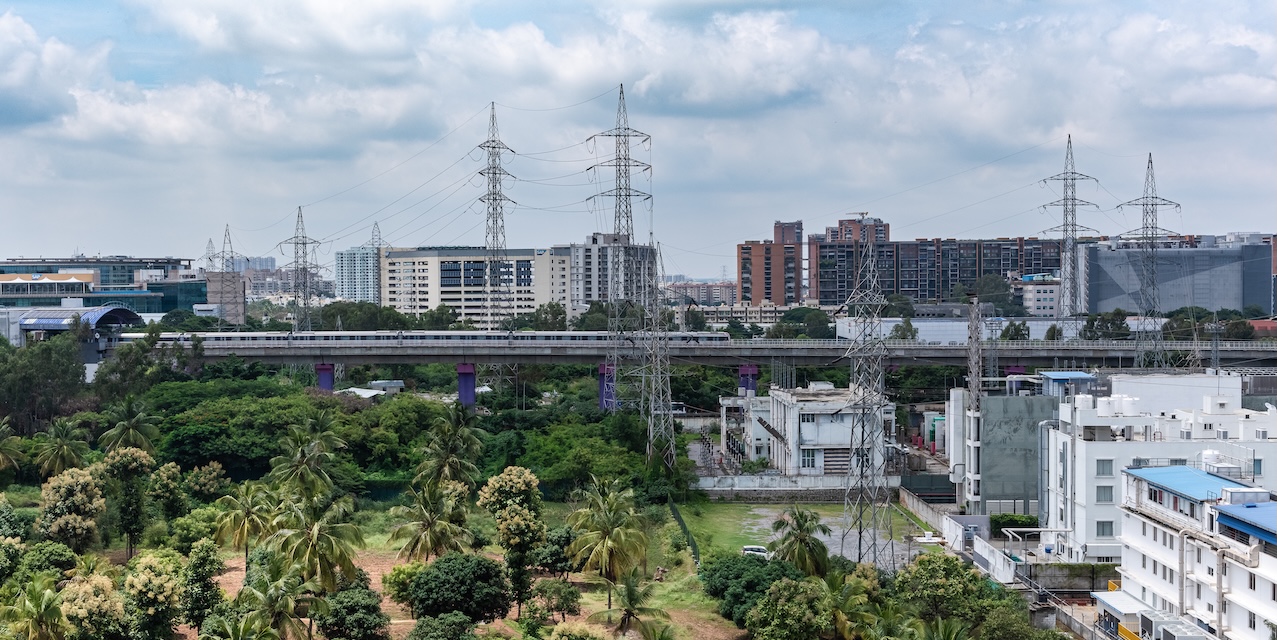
(230,289)
(867,499)
(654,373)
(1072,278)
(1150,349)
(625,264)
(304,270)
(498,272)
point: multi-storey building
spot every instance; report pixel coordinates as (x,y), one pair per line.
(705,294)
(923,269)
(358,274)
(418,280)
(1148,421)
(993,455)
(1040,294)
(113,272)
(261,263)
(581,273)
(1199,557)
(771,270)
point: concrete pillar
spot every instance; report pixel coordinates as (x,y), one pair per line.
(465,384)
(325,373)
(747,380)
(607,387)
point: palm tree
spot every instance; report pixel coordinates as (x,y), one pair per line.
(632,599)
(849,600)
(249,512)
(322,542)
(941,629)
(247,628)
(11,449)
(280,598)
(308,452)
(430,528)
(60,448)
(798,543)
(893,622)
(132,426)
(612,538)
(35,614)
(452,447)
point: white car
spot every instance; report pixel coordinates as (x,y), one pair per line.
(756,550)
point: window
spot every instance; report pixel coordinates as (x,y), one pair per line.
(1104,529)
(1199,591)
(1251,580)
(1143,528)
(1250,619)
(1104,468)
(1104,494)
(809,459)
(1259,467)
(1143,561)
(806,417)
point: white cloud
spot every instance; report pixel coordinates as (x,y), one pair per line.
(36,75)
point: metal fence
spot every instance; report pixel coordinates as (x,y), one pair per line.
(691,541)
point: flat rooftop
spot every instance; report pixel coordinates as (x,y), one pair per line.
(1187,482)
(1261,515)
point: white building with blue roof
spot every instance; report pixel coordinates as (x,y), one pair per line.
(1199,555)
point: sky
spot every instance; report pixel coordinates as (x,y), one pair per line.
(149,127)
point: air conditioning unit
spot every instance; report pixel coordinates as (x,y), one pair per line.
(1222,434)
(1186,434)
(1183,632)
(1152,622)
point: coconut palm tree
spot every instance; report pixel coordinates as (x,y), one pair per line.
(60,448)
(612,538)
(280,598)
(308,453)
(131,426)
(246,628)
(452,447)
(322,542)
(248,515)
(632,610)
(941,629)
(11,449)
(849,600)
(429,527)
(36,613)
(798,543)
(893,622)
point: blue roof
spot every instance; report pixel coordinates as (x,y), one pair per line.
(1194,484)
(59,318)
(1260,516)
(1066,375)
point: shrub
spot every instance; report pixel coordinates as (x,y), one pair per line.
(45,556)
(10,555)
(154,591)
(354,614)
(578,631)
(398,583)
(95,608)
(11,526)
(207,483)
(740,581)
(70,504)
(191,528)
(1000,521)
(473,585)
(166,492)
(448,626)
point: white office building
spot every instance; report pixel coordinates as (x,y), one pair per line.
(582,272)
(415,281)
(358,274)
(1149,421)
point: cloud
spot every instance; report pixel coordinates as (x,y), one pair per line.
(36,76)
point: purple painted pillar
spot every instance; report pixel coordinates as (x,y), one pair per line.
(747,385)
(325,373)
(607,387)
(465,384)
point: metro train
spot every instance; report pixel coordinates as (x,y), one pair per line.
(401,338)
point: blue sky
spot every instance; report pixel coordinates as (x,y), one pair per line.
(147,126)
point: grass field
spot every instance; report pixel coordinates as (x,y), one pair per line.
(731,525)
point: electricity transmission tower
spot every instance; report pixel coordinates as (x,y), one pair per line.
(1072,278)
(1150,349)
(304,269)
(866,500)
(499,307)
(975,366)
(226,283)
(656,399)
(623,297)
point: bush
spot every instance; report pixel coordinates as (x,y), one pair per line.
(579,631)
(10,556)
(191,528)
(1000,521)
(552,556)
(448,626)
(11,526)
(354,614)
(70,504)
(207,483)
(398,583)
(740,581)
(558,596)
(473,585)
(45,556)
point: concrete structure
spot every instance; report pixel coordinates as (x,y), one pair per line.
(771,270)
(262,263)
(414,281)
(580,274)
(113,272)
(229,292)
(1191,272)
(1193,421)
(946,330)
(763,315)
(810,432)
(18,325)
(358,274)
(996,464)
(1199,548)
(1040,294)
(705,294)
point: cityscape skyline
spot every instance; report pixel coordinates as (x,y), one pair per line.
(181,119)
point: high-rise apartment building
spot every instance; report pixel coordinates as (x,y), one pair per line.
(581,273)
(771,270)
(358,274)
(418,280)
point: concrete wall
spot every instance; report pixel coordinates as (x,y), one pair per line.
(928,513)
(1220,278)
(1009,447)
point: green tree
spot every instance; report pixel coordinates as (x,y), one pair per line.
(798,542)
(165,491)
(438,319)
(248,515)
(1054,332)
(446,626)
(996,290)
(279,597)
(474,586)
(790,611)
(60,448)
(452,447)
(12,451)
(898,306)
(322,542)
(153,592)
(738,581)
(36,613)
(633,610)
(550,316)
(309,453)
(129,466)
(201,593)
(940,586)
(1015,331)
(849,603)
(94,607)
(70,504)
(941,629)
(694,320)
(612,538)
(1239,330)
(132,426)
(1106,326)
(558,596)
(246,628)
(38,380)
(903,331)
(429,527)
(354,613)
